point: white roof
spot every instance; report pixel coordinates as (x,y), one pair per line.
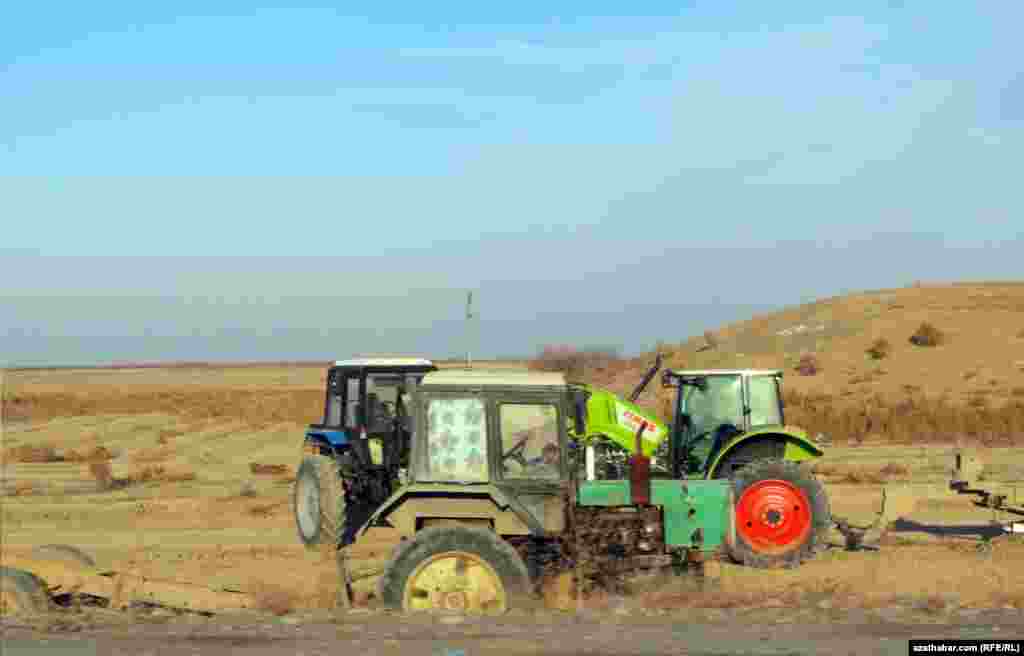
(494,378)
(727,372)
(384,362)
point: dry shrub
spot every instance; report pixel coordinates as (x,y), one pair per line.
(710,339)
(247,490)
(32,453)
(95,454)
(808,365)
(927,335)
(265,509)
(575,363)
(261,469)
(23,488)
(1017,391)
(102,474)
(166,435)
(879,349)
(152,455)
(160,474)
(275,599)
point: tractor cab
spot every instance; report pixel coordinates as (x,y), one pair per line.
(715,406)
(367,409)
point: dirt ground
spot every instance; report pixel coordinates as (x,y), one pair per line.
(208,516)
(518,634)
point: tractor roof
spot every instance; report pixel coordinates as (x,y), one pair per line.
(726,372)
(493,378)
(384,362)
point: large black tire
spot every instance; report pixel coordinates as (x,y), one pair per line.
(318,502)
(22,593)
(789,495)
(429,542)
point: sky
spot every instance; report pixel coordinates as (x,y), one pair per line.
(252,182)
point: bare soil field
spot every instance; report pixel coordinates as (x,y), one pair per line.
(186,473)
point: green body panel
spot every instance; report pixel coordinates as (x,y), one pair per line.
(798,446)
(710,503)
(619,420)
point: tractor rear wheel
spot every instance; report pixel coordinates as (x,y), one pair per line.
(454,568)
(782,514)
(318,502)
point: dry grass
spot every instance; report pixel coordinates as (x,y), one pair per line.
(906,421)
(261,469)
(256,408)
(861,474)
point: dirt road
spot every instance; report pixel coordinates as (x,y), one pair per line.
(885,631)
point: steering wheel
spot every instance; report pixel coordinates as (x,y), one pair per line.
(516,452)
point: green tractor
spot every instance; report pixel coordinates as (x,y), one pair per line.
(727,425)
(493,506)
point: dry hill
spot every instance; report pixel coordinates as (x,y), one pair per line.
(853,369)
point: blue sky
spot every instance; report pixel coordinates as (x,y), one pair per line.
(266,182)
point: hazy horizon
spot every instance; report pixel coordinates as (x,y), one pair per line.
(298,183)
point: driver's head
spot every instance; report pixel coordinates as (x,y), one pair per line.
(550,454)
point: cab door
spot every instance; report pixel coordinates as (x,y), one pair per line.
(530,464)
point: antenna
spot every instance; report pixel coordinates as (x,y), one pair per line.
(469,328)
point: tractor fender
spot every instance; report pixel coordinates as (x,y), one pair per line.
(798,447)
(407,508)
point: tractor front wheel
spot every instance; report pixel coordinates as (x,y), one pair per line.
(456,569)
(782,514)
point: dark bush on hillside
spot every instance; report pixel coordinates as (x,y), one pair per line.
(808,365)
(927,335)
(574,363)
(880,349)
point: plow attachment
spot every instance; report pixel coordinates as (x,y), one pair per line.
(30,583)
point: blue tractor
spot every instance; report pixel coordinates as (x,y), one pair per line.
(356,457)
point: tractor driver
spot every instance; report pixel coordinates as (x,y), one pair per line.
(546,465)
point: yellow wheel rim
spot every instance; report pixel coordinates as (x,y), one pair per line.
(455,581)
